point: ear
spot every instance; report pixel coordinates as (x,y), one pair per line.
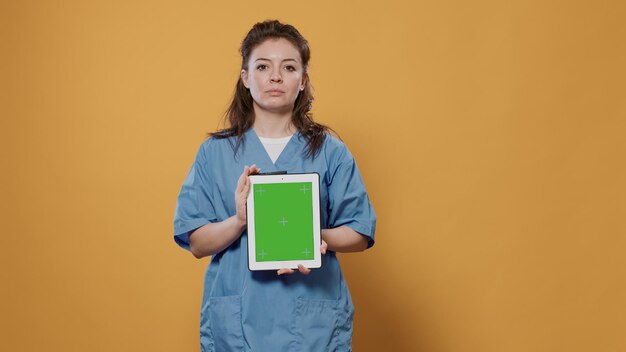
(305,79)
(244,78)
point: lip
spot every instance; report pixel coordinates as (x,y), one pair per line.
(275,92)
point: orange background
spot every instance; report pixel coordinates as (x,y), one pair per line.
(490,136)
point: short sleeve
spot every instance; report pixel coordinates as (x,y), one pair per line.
(194,207)
(349,203)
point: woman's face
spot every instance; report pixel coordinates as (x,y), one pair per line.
(275,75)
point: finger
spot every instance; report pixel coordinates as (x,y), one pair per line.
(303,270)
(241,179)
(246,188)
(323,247)
(251,169)
(242,196)
(239,184)
(285,271)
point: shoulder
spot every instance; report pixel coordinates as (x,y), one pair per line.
(330,141)
(217,145)
(216,142)
(210,149)
(335,149)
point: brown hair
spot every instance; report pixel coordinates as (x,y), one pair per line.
(240,113)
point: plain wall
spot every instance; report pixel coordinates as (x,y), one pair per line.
(490,135)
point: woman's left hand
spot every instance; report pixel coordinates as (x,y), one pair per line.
(301,268)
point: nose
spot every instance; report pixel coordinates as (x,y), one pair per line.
(275,76)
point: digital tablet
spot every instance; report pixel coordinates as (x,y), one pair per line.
(284,221)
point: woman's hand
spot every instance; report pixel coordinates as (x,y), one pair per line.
(213,238)
(301,268)
(241,193)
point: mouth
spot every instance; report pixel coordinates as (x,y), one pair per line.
(275,92)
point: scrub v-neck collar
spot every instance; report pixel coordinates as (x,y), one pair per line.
(263,158)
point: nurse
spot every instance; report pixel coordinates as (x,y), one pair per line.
(270,128)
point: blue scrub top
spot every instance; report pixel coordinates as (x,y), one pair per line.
(261,311)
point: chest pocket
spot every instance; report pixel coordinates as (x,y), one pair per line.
(322,325)
(220,325)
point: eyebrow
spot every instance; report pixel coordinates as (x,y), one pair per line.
(262,58)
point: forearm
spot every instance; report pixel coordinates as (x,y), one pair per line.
(212,238)
(344,239)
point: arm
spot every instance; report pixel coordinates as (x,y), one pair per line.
(213,238)
(339,239)
(344,239)
(347,194)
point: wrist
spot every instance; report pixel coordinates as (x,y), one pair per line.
(239,223)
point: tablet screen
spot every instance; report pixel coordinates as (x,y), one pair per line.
(283,221)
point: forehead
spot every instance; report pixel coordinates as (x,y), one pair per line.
(275,49)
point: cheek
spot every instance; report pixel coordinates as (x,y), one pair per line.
(254,85)
(255,77)
(296,82)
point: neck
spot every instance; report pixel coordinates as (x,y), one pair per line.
(272,125)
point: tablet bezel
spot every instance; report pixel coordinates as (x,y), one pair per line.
(316,262)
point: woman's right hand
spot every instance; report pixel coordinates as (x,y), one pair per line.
(213,238)
(241,193)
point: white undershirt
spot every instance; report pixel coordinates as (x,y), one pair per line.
(274,146)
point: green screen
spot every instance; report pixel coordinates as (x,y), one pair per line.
(283,221)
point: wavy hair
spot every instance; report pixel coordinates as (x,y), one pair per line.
(240,114)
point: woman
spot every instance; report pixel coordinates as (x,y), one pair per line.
(270,128)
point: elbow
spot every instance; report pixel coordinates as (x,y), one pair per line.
(198,248)
(362,244)
(196,254)
(347,241)
(358,245)
(199,253)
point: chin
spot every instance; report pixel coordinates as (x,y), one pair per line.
(275,108)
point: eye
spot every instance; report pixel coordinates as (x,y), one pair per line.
(261,67)
(290,68)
